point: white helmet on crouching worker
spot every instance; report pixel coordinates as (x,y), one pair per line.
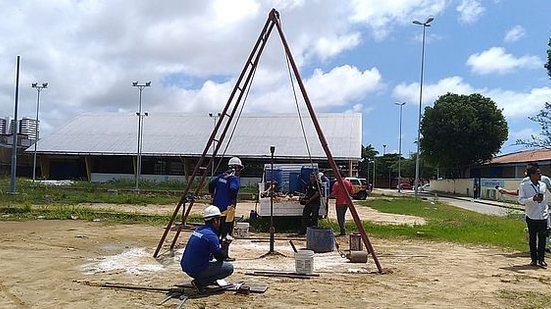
(235,162)
(211,212)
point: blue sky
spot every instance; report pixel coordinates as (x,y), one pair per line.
(358,55)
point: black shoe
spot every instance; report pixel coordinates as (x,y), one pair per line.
(229,259)
(548,250)
(533,263)
(197,286)
(542,264)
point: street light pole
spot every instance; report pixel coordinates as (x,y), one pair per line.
(38,88)
(425,25)
(214,117)
(374,173)
(400,146)
(140,133)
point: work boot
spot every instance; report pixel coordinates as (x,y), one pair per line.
(197,286)
(542,264)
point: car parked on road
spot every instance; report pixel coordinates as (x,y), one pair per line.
(405,185)
(360,187)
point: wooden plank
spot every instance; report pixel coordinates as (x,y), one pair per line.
(285,273)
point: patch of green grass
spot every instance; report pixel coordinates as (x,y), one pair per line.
(64,212)
(444,223)
(525,299)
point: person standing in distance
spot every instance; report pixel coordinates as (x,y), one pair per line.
(533,194)
(544,179)
(311,210)
(224,189)
(341,202)
(203,245)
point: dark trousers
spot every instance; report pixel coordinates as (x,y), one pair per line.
(215,271)
(226,228)
(341,212)
(536,231)
(310,215)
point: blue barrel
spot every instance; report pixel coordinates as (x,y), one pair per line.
(294,184)
(278,177)
(320,239)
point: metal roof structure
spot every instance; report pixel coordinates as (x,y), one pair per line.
(179,134)
(525,156)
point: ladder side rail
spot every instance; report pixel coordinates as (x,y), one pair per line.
(261,41)
(251,65)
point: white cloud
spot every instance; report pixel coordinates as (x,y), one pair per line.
(520,104)
(515,105)
(497,60)
(469,11)
(329,47)
(409,93)
(339,87)
(380,16)
(514,34)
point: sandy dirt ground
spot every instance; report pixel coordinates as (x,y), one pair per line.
(44,265)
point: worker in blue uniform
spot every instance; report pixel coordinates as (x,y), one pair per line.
(224,189)
(203,258)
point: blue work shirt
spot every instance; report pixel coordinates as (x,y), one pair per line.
(200,249)
(225,188)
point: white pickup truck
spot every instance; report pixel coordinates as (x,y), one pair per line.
(290,183)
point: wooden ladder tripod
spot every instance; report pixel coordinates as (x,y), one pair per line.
(225,122)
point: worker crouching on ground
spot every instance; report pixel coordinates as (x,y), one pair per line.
(203,245)
(223,189)
(533,194)
(311,210)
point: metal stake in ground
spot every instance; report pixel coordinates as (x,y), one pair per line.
(271,192)
(272,228)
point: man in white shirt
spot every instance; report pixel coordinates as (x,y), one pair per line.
(543,179)
(533,194)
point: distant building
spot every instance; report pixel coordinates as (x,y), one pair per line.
(102,147)
(3,125)
(26,126)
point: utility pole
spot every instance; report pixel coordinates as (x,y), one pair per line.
(38,89)
(417,174)
(13,179)
(140,132)
(400,146)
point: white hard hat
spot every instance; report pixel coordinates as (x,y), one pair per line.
(211,212)
(235,161)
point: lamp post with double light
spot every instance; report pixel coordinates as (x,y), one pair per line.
(425,25)
(140,115)
(39,88)
(400,146)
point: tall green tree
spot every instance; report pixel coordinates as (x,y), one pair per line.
(368,154)
(462,130)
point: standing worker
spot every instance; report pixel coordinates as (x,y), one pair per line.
(223,189)
(311,201)
(201,247)
(544,179)
(533,194)
(341,201)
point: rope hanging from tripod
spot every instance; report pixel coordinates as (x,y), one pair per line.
(298,110)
